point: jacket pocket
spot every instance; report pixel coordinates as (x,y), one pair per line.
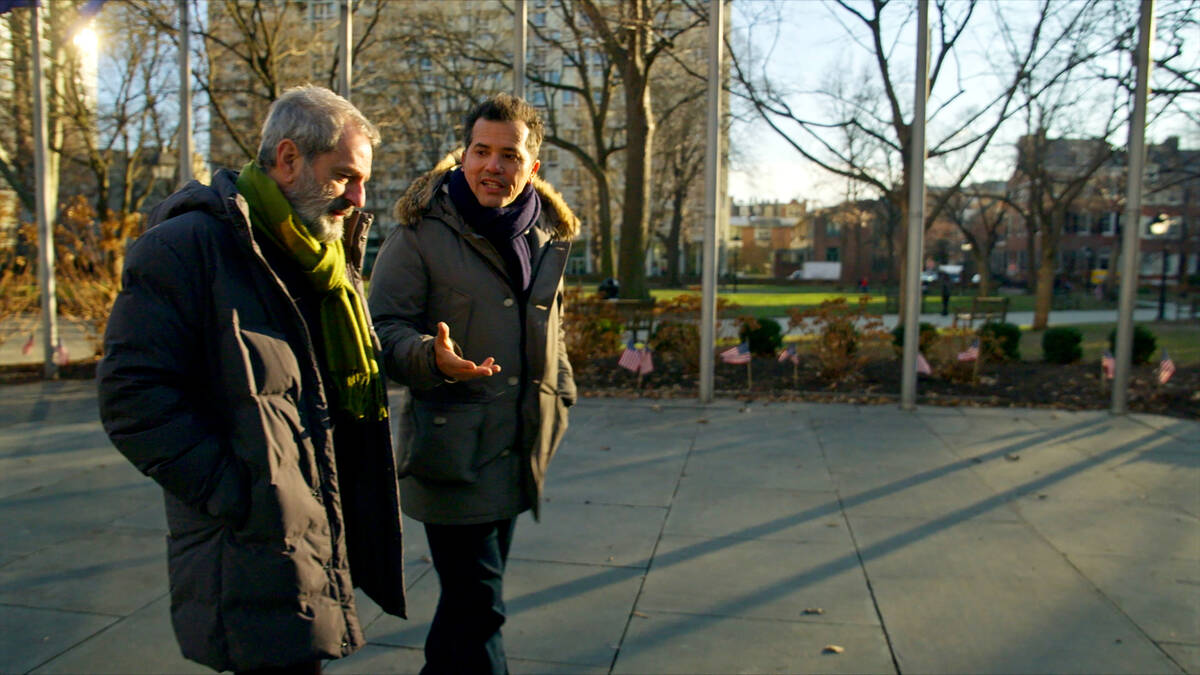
(270,360)
(443,440)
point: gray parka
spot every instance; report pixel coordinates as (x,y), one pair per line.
(473,451)
(211,386)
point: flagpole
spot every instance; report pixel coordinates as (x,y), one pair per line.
(521,39)
(916,215)
(43,204)
(345,46)
(185,96)
(1133,211)
(712,203)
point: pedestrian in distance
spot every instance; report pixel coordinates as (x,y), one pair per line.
(945,278)
(467,296)
(240,373)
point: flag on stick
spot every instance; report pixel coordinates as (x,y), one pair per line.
(789,354)
(631,357)
(1166,368)
(1108,365)
(28,346)
(737,355)
(923,365)
(970,353)
(61,355)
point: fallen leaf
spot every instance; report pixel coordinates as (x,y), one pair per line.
(833,649)
(833,524)
(702,421)
(656,407)
(1012,458)
(426,559)
(814,610)
(639,614)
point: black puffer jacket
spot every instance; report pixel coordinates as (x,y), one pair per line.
(211,386)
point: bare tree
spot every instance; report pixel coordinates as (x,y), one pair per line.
(634,37)
(872,102)
(980,213)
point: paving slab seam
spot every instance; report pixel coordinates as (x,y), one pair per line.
(862,566)
(1013,494)
(1107,599)
(120,618)
(653,552)
(43,608)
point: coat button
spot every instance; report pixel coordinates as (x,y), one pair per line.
(509,302)
(512,381)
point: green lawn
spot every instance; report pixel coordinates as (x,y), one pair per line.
(770,300)
(1182,341)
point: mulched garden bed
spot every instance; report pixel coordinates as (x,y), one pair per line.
(1015,384)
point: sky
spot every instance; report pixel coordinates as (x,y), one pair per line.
(814,47)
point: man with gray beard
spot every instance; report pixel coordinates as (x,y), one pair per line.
(240,373)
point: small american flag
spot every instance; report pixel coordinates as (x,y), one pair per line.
(28,346)
(789,354)
(636,357)
(1166,368)
(61,355)
(923,365)
(737,355)
(1108,365)
(970,353)
(631,357)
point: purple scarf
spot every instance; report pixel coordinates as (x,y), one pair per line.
(503,226)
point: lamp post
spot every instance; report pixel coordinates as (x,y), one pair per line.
(1159,227)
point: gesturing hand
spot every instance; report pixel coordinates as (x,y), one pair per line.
(454,366)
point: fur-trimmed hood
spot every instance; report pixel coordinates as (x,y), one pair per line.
(417,198)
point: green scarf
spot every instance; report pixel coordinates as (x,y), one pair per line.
(357,386)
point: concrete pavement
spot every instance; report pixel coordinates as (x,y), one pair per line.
(679,538)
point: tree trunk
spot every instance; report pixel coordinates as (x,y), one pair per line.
(1045,288)
(604,226)
(672,241)
(639,138)
(985,272)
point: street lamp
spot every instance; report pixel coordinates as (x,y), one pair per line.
(1159,228)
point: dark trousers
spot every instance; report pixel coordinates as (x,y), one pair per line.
(465,634)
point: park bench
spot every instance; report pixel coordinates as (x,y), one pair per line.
(637,316)
(984,308)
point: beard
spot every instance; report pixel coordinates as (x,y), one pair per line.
(315,204)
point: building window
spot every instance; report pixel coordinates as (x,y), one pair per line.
(831,254)
(323,10)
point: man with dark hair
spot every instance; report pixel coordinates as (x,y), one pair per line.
(240,373)
(467,297)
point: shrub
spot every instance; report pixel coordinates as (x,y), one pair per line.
(943,355)
(592,328)
(764,337)
(677,341)
(1144,343)
(1062,344)
(927,337)
(1000,340)
(840,333)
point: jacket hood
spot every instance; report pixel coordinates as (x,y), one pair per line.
(195,196)
(417,199)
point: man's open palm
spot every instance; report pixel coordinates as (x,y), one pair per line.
(454,366)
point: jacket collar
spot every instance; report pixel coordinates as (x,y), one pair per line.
(419,198)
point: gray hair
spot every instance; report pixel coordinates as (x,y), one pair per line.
(313,118)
